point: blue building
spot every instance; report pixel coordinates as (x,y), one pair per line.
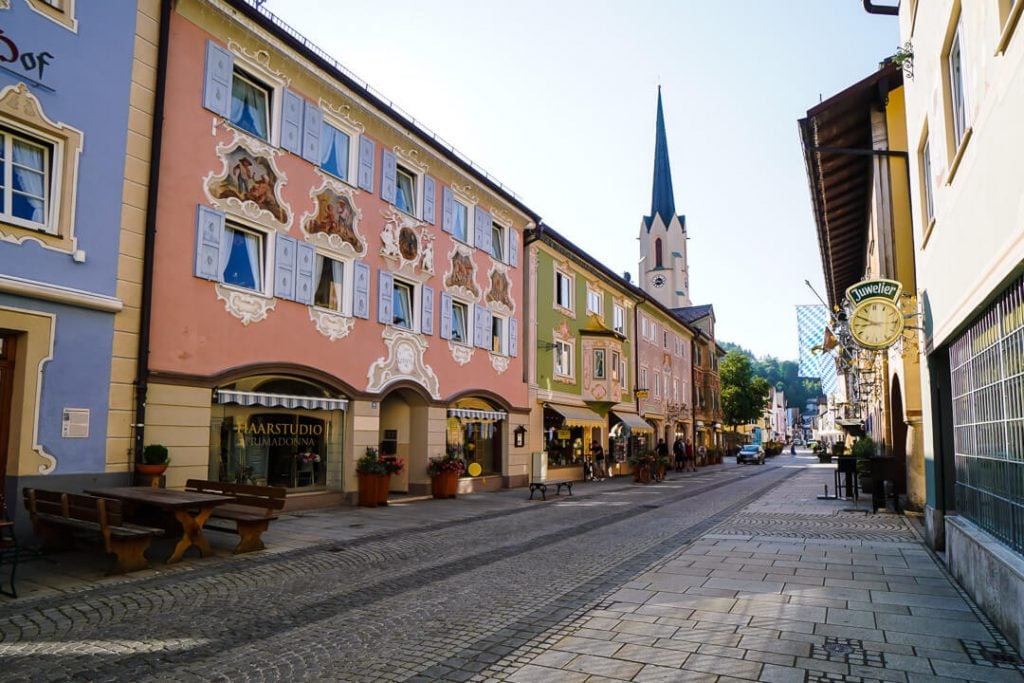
(77,92)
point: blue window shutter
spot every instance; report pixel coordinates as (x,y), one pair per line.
(284,267)
(482,333)
(305,260)
(427,310)
(291,121)
(446,315)
(385,297)
(209,230)
(429,197)
(312,123)
(513,247)
(361,290)
(366,153)
(220,65)
(482,228)
(388,175)
(513,337)
(447,210)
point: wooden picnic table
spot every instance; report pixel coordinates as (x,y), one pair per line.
(189,508)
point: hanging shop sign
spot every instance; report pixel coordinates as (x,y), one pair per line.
(876,321)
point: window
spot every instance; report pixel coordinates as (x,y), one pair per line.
(615,366)
(402,305)
(665,338)
(241,255)
(643,378)
(593,302)
(563,290)
(329,283)
(250,105)
(498,242)
(563,359)
(497,334)
(405,190)
(599,369)
(954,62)
(653,329)
(619,317)
(460,221)
(622,371)
(926,182)
(334,151)
(697,357)
(460,316)
(675,390)
(658,261)
(656,382)
(25,180)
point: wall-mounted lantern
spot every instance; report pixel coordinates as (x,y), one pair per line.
(520,436)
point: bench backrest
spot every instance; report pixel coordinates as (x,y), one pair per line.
(268,498)
(79,506)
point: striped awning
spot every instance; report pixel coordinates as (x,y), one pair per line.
(473,414)
(634,422)
(578,417)
(255,398)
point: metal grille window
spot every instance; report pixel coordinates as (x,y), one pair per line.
(987,367)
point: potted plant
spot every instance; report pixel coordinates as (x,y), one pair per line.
(155,458)
(444,473)
(392,466)
(370,470)
(643,465)
(864,449)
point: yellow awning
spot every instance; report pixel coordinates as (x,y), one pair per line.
(578,417)
(634,422)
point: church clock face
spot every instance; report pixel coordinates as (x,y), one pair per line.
(658,281)
(876,323)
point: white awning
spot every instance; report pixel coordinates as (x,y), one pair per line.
(578,417)
(699,424)
(255,398)
(634,422)
(472,414)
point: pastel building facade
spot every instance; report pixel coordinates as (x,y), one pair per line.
(74,149)
(328,277)
(664,372)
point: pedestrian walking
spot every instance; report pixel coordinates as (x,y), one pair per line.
(702,454)
(679,451)
(792,448)
(599,472)
(690,464)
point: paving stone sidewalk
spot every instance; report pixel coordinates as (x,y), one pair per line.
(791,589)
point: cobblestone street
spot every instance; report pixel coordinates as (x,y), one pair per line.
(736,572)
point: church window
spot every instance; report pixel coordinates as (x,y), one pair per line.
(657,254)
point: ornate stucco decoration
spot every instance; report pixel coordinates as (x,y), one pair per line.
(460,280)
(248,307)
(5,4)
(461,353)
(561,332)
(498,295)
(404,360)
(330,324)
(344,113)
(333,223)
(502,216)
(260,59)
(408,244)
(249,183)
(414,158)
(499,363)
(467,191)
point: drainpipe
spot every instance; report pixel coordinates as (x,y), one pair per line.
(142,371)
(889,10)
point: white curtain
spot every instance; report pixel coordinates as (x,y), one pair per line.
(29,172)
(252,251)
(248,107)
(227,239)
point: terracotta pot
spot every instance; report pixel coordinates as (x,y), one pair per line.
(145,468)
(444,484)
(367,490)
(383,488)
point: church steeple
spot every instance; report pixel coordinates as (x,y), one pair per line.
(663,202)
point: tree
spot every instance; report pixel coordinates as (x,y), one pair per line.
(743,394)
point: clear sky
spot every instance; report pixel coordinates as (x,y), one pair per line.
(557,99)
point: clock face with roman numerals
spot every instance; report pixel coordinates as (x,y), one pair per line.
(876,323)
(658,281)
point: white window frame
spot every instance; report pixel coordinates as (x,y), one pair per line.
(459,200)
(347,275)
(570,290)
(603,364)
(563,349)
(501,337)
(51,154)
(467,330)
(665,338)
(927,189)
(619,319)
(642,379)
(414,304)
(416,179)
(615,363)
(595,302)
(656,384)
(501,241)
(353,133)
(653,329)
(959,121)
(265,256)
(272,101)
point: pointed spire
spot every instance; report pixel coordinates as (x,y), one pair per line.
(662,200)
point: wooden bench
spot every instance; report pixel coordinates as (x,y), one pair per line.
(254,508)
(542,486)
(56,515)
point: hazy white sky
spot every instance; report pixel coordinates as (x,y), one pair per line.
(556,99)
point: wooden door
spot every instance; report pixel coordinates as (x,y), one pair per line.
(7,347)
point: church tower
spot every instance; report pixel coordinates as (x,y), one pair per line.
(663,269)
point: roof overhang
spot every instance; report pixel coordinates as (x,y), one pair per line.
(837,146)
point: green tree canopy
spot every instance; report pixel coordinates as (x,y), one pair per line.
(783,375)
(743,394)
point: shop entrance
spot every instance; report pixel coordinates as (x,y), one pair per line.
(403,434)
(7,346)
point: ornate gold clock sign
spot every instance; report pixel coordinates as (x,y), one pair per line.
(876,321)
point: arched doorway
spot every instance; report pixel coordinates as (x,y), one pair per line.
(898,432)
(404,418)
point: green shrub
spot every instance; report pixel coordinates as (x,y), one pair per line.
(155,454)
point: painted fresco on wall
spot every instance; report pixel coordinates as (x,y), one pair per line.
(249,184)
(408,243)
(499,292)
(461,278)
(334,219)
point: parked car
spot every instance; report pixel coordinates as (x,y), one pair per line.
(750,453)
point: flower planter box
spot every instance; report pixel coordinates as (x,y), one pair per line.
(444,484)
(369,491)
(383,488)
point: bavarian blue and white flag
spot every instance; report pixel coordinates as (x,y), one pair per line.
(816,362)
